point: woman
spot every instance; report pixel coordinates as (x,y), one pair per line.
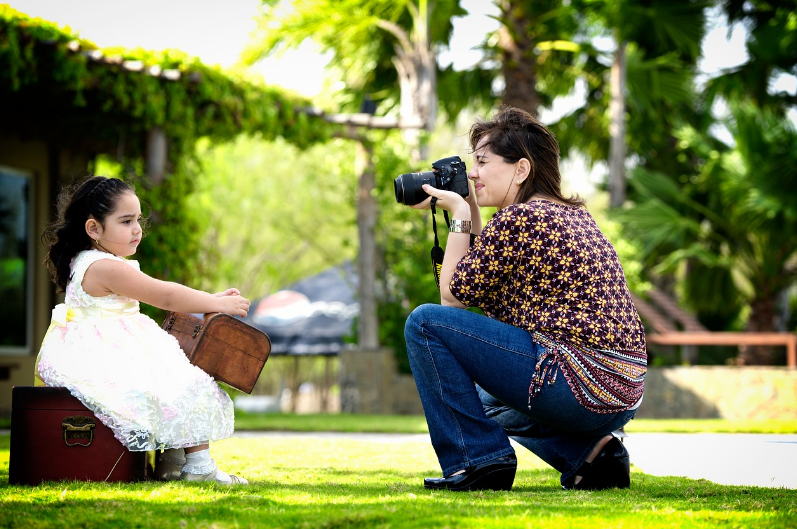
(559,363)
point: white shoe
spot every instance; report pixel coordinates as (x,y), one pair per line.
(211,476)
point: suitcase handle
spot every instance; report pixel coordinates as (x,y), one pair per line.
(77,427)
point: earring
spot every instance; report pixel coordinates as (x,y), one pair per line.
(518,182)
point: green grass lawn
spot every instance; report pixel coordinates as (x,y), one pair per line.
(339,422)
(417,424)
(301,482)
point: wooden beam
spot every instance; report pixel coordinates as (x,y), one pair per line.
(373,122)
(788,340)
(365,120)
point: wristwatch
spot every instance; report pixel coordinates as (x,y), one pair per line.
(459,226)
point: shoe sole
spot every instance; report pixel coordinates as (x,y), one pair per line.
(500,479)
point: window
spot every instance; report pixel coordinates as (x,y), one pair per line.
(16,259)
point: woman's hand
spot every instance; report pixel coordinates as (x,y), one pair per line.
(448,200)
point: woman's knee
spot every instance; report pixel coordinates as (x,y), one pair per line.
(413,328)
(421,314)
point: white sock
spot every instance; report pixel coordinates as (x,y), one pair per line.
(199,462)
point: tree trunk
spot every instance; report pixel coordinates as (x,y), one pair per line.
(156,155)
(519,66)
(617,129)
(368,329)
(417,75)
(763,314)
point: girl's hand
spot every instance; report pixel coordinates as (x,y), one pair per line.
(448,200)
(234,304)
(228,292)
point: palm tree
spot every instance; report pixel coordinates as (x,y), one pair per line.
(384,50)
(535,51)
(772,49)
(734,222)
(640,91)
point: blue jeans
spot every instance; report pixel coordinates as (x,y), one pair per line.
(473,375)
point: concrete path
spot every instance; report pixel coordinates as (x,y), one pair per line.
(761,460)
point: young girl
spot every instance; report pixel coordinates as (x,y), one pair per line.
(118,362)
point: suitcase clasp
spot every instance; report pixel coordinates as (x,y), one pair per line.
(171,322)
(196,330)
(78,427)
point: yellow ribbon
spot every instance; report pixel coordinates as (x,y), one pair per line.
(63,314)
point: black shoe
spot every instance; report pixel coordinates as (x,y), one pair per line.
(497,474)
(610,469)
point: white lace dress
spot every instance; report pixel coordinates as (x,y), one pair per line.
(128,371)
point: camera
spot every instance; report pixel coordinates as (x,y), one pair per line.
(448,173)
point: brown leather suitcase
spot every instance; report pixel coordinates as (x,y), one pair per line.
(223,346)
(54,437)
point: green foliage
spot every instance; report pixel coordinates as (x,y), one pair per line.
(732,222)
(772,49)
(363,48)
(271,214)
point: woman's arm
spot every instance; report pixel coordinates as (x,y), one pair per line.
(457,243)
(108,276)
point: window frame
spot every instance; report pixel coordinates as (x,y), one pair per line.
(30,258)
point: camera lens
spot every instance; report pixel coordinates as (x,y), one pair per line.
(408,187)
(398,188)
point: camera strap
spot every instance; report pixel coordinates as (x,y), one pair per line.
(437,252)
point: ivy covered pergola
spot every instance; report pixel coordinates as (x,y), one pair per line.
(145,109)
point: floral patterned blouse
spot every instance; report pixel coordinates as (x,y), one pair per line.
(547,268)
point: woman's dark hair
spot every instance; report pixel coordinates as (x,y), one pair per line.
(514,134)
(94,197)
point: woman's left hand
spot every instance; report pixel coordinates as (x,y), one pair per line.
(448,200)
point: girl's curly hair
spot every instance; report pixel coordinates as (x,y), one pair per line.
(94,197)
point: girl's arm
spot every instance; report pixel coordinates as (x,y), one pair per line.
(108,276)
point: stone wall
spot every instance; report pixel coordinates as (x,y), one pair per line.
(369,383)
(727,392)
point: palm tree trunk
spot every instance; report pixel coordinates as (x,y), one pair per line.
(519,68)
(763,314)
(617,129)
